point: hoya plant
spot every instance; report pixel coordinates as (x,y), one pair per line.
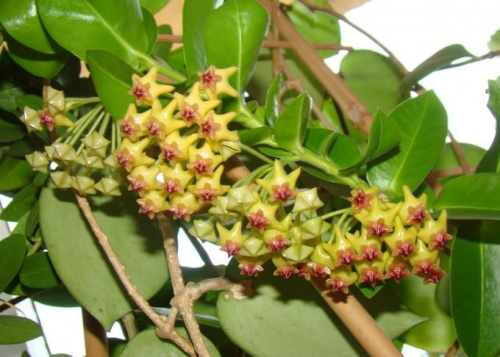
(352,224)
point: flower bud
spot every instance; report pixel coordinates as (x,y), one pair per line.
(203,230)
(96,144)
(84,185)
(61,179)
(298,253)
(108,186)
(38,161)
(307,202)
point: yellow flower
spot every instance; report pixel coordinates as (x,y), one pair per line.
(203,161)
(134,124)
(176,147)
(130,154)
(145,89)
(216,82)
(413,209)
(207,189)
(192,108)
(183,206)
(153,202)
(143,179)
(162,122)
(213,128)
(281,187)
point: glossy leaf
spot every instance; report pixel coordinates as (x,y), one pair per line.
(10,132)
(15,329)
(373,78)
(243,25)
(162,49)
(256,136)
(14,173)
(439,60)
(37,272)
(195,14)
(146,343)
(114,26)
(344,151)
(384,136)
(20,19)
(491,160)
(55,296)
(80,263)
(471,197)
(449,160)
(153,6)
(12,251)
(422,124)
(21,204)
(494,43)
(8,94)
(272,101)
(319,140)
(151,29)
(315,26)
(113,81)
(289,318)
(290,127)
(475,283)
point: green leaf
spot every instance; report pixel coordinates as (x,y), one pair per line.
(494,43)
(162,49)
(8,94)
(256,136)
(449,160)
(20,19)
(344,151)
(14,173)
(113,81)
(290,127)
(114,26)
(12,251)
(315,26)
(422,123)
(289,318)
(475,282)
(37,272)
(471,197)
(373,78)
(243,25)
(146,343)
(151,29)
(14,329)
(10,132)
(272,101)
(37,63)
(56,296)
(195,14)
(319,140)
(491,160)
(153,6)
(384,136)
(80,263)
(439,60)
(21,204)
(22,148)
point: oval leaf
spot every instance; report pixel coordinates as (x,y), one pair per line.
(289,318)
(422,123)
(153,6)
(491,161)
(12,251)
(243,25)
(290,127)
(37,272)
(21,204)
(15,329)
(15,173)
(10,132)
(80,263)
(272,101)
(471,197)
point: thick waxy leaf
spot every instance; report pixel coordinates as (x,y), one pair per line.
(80,263)
(290,127)
(494,43)
(56,296)
(20,19)
(272,101)
(384,136)
(162,49)
(471,197)
(449,160)
(153,6)
(14,329)
(147,344)
(344,151)
(422,123)
(8,94)
(194,18)
(242,24)
(256,136)
(373,78)
(115,26)
(12,251)
(10,132)
(319,140)
(315,26)
(37,272)
(437,61)
(491,160)
(21,204)
(289,318)
(14,173)
(475,283)
(151,29)
(113,81)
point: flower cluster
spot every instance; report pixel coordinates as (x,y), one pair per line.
(273,220)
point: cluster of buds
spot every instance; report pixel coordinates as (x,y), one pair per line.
(172,154)
(273,220)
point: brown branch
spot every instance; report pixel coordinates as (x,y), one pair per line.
(129,324)
(268,43)
(163,329)
(452,351)
(275,36)
(96,342)
(460,153)
(489,55)
(8,304)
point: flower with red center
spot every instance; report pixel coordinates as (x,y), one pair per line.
(250,269)
(136,183)
(378,228)
(170,152)
(124,158)
(282,193)
(370,275)
(318,270)
(201,166)
(424,268)
(180,212)
(47,119)
(403,248)
(434,275)
(172,186)
(361,200)
(278,243)
(257,220)
(141,92)
(336,284)
(416,215)
(209,79)
(303,271)
(285,271)
(397,272)
(189,113)
(155,128)
(231,248)
(208,127)
(369,252)
(439,240)
(129,127)
(147,207)
(207,193)
(345,256)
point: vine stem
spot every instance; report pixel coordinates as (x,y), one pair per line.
(94,335)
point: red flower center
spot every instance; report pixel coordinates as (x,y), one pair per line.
(282,192)
(257,220)
(277,244)
(361,200)
(250,269)
(285,271)
(47,119)
(378,228)
(231,248)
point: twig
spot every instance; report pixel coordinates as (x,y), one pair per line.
(8,304)
(489,55)
(460,153)
(268,43)
(162,328)
(96,343)
(129,324)
(275,36)
(452,351)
